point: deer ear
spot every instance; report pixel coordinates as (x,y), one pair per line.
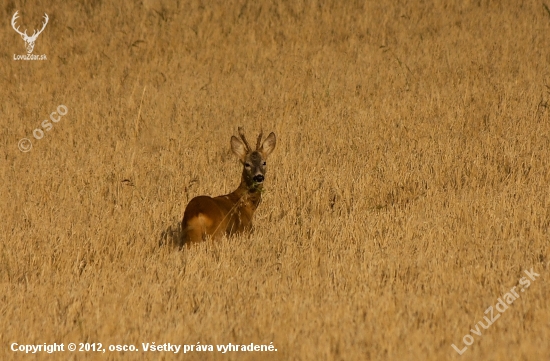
(238,148)
(268,145)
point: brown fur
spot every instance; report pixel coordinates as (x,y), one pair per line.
(231,213)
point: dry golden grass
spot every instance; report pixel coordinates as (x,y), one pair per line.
(408,191)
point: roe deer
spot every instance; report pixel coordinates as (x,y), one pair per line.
(231,213)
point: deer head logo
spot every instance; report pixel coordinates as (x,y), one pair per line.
(29,40)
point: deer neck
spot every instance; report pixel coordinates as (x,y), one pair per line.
(250,194)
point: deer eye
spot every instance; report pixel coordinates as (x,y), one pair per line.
(247,165)
(264,163)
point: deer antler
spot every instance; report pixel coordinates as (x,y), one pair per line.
(34,36)
(241,134)
(259,141)
(13,19)
(24,34)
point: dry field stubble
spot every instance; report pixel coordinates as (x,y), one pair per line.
(408,191)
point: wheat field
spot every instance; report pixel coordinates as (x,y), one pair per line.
(407,195)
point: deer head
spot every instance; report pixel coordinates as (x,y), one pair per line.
(29,40)
(254,161)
